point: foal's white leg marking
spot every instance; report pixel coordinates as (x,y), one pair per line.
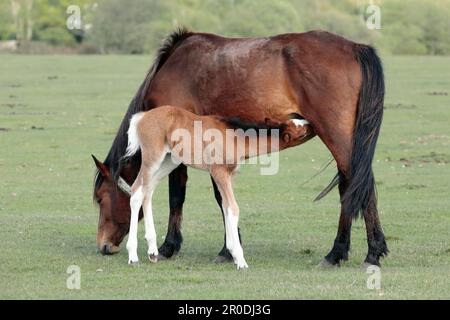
(135,204)
(300,122)
(231,212)
(232,238)
(150,232)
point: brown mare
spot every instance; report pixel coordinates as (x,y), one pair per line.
(335,84)
(168,136)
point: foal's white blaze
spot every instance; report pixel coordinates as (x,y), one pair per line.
(300,122)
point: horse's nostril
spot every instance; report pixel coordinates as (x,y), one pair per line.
(105,249)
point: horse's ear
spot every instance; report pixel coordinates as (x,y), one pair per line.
(102,168)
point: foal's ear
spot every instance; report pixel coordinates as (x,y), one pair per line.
(102,168)
(286,138)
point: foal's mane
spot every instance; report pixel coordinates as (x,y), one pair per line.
(137,104)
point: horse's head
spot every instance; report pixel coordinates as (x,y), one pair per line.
(114,205)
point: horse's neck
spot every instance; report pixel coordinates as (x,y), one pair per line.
(130,171)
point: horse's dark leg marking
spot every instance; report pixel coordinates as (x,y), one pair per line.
(375,236)
(224,254)
(177,191)
(341,245)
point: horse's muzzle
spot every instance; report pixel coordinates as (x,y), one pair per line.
(108,249)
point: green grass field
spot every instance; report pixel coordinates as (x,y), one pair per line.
(57,110)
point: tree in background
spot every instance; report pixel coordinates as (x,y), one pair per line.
(138,26)
(129,26)
(22,14)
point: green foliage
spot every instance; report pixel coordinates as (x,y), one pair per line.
(7,29)
(139,26)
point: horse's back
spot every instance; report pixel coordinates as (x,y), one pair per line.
(252,77)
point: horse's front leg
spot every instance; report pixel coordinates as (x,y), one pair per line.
(224,254)
(177,192)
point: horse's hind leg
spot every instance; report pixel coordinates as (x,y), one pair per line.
(224,254)
(376,242)
(339,142)
(341,245)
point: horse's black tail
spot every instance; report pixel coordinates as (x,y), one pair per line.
(361,188)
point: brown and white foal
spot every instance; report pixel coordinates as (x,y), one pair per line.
(168,136)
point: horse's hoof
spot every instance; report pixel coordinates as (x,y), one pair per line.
(325,264)
(163,257)
(153,258)
(223,259)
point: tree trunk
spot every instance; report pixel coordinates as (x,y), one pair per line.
(22,14)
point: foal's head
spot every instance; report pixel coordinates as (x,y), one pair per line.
(292,133)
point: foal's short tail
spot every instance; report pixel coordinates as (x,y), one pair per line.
(133,137)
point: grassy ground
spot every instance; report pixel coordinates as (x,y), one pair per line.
(55,111)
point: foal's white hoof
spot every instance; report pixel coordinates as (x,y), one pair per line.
(133,259)
(133,262)
(241,265)
(153,258)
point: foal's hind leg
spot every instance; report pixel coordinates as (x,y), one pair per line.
(231,212)
(224,254)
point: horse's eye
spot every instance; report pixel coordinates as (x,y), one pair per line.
(99,200)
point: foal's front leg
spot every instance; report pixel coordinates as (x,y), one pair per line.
(151,181)
(136,199)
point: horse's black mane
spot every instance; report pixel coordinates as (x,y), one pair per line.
(138,104)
